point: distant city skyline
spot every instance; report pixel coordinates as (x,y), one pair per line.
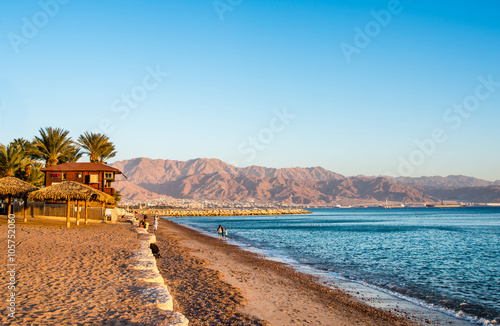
(407,88)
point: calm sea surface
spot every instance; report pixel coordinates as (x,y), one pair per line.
(445,258)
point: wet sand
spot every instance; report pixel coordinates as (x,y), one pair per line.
(74,276)
(215,283)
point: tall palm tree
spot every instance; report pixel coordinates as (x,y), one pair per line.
(74,155)
(53,145)
(11,159)
(108,152)
(24,172)
(97,146)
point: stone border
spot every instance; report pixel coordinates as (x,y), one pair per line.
(153,289)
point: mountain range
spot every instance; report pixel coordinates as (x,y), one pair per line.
(213,179)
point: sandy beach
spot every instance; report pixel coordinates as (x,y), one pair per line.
(215,283)
(74,276)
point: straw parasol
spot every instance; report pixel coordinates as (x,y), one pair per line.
(11,187)
(72,191)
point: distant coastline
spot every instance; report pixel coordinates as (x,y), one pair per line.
(222,212)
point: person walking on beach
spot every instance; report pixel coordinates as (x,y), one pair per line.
(220,230)
(155,223)
(225,233)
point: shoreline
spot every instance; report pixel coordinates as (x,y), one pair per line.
(269,291)
(223,212)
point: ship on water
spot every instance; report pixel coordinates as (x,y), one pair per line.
(447,204)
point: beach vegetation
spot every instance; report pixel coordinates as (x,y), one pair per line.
(54,146)
(117,196)
(11,159)
(97,146)
(24,159)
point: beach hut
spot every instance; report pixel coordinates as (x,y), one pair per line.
(69,191)
(11,187)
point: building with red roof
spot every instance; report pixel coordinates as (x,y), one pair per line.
(96,175)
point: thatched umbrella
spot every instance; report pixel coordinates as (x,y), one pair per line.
(71,191)
(11,187)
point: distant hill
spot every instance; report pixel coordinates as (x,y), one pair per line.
(490,194)
(451,181)
(213,179)
(145,170)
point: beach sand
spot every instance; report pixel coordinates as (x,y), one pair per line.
(75,276)
(215,283)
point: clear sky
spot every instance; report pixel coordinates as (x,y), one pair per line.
(357,87)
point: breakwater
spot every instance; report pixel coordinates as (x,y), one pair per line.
(223,212)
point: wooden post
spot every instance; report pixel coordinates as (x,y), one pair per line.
(86,212)
(9,205)
(67,213)
(77,212)
(25,208)
(104,212)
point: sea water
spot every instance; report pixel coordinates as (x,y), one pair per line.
(444,258)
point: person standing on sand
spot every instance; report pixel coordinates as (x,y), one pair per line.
(155,223)
(225,233)
(144,223)
(220,230)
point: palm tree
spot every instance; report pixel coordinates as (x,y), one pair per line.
(37,177)
(74,155)
(53,146)
(108,152)
(11,159)
(25,171)
(97,146)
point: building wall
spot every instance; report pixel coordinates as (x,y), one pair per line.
(81,177)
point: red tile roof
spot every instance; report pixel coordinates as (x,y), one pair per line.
(80,167)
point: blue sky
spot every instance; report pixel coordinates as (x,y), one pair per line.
(366,87)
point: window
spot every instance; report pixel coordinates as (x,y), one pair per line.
(108,175)
(79,175)
(54,175)
(107,184)
(63,176)
(94,178)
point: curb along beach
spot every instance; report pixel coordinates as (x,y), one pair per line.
(98,274)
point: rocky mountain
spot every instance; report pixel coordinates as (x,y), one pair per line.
(490,194)
(132,192)
(213,179)
(451,181)
(146,170)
